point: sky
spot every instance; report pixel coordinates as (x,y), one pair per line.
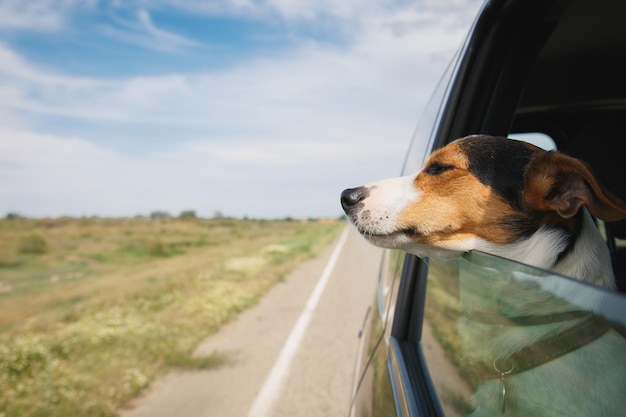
(246,108)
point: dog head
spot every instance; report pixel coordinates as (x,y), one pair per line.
(476,193)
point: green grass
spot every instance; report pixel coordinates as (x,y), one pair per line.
(111,304)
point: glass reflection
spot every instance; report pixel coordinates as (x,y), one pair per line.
(505,339)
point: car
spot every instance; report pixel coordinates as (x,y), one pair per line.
(551,72)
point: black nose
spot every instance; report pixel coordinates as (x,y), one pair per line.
(352,196)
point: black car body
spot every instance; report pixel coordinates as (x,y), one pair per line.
(552,72)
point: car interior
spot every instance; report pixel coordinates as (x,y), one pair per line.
(576,93)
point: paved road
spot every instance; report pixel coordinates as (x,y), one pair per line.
(292,355)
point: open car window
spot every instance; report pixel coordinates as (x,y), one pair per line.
(503,338)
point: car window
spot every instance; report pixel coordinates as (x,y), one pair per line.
(536,138)
(373,389)
(425,133)
(502,338)
(391,268)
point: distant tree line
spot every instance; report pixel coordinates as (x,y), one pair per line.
(161,214)
(185,214)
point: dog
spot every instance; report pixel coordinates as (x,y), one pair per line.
(536,354)
(501,196)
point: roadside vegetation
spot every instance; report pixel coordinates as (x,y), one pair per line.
(92,310)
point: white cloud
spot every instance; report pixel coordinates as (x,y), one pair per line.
(34,150)
(376,76)
(40,15)
(164,38)
(272,137)
(42,175)
(143,32)
(309,10)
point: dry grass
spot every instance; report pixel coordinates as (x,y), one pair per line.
(109,304)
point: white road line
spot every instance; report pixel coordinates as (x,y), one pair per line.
(271,387)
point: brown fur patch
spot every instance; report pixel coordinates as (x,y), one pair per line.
(563,184)
(454,205)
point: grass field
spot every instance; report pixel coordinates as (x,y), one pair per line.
(92,310)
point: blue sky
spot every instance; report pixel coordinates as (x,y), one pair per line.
(250,108)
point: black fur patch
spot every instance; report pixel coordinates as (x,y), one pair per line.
(499,163)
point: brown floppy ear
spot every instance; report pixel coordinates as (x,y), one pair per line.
(557,182)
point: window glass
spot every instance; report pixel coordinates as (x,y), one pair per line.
(388,286)
(423,137)
(536,138)
(374,395)
(502,338)
(390,272)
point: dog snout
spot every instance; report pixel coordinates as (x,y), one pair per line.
(352,196)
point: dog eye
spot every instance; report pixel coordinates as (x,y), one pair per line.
(437,168)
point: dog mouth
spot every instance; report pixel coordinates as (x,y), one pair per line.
(410,232)
(380,227)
